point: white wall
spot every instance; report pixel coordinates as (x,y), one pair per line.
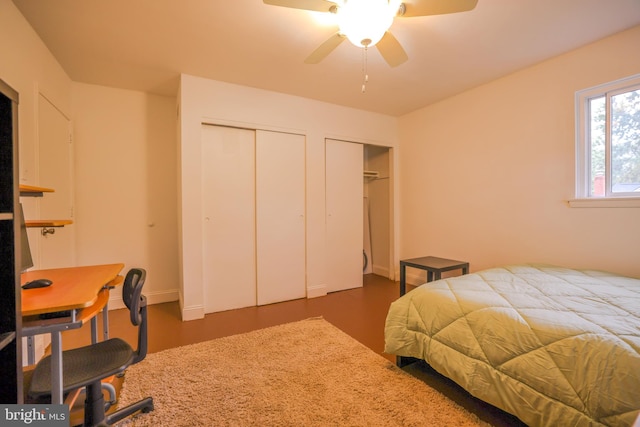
(203,100)
(28,66)
(30,69)
(125,167)
(126,184)
(486,175)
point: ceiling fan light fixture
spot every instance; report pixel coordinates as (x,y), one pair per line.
(364,22)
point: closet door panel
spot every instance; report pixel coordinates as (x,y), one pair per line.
(228,203)
(280,216)
(344,195)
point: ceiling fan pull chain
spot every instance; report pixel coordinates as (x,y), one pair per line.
(365,78)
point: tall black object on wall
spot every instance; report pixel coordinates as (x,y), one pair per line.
(10,303)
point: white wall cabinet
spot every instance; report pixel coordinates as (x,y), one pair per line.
(344,195)
(253,195)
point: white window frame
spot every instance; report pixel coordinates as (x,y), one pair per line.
(583,162)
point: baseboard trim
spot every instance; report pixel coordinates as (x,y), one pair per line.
(316,291)
(116,302)
(416,279)
(193,312)
(381,271)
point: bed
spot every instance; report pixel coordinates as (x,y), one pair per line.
(552,346)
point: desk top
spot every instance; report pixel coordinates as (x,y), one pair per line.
(72,288)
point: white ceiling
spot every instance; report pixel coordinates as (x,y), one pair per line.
(145,45)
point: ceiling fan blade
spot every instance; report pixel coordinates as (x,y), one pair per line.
(325,49)
(391,50)
(435,7)
(314,5)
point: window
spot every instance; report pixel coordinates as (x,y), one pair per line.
(608,140)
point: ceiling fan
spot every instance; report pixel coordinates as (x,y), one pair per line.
(366,22)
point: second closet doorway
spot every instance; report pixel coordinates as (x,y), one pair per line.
(378,211)
(360,215)
(253,201)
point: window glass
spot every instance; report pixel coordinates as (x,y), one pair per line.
(596,141)
(625,142)
(608,140)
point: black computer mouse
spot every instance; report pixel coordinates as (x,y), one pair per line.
(38,283)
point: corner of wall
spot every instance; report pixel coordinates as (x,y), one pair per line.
(193,312)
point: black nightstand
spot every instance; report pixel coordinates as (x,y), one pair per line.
(432,265)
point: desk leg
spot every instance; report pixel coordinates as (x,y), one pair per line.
(94,330)
(403,278)
(56,368)
(438,275)
(105,322)
(31,351)
(105,325)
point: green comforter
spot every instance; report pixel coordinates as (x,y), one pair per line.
(553,346)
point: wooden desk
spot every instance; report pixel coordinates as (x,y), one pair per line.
(72,288)
(81,290)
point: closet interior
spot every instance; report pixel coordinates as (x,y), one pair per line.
(377,211)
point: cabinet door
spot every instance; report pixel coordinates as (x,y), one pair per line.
(280,216)
(228,204)
(344,196)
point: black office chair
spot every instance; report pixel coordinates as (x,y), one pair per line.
(87,366)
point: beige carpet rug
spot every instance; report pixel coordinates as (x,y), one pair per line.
(306,373)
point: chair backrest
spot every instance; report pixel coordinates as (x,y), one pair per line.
(137,305)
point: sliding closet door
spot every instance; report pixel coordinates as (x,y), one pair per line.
(344,193)
(228,204)
(280,216)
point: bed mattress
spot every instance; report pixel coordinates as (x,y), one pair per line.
(553,346)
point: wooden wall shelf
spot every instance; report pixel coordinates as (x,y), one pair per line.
(33,191)
(47,223)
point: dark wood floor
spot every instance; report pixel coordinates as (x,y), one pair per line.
(359,312)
